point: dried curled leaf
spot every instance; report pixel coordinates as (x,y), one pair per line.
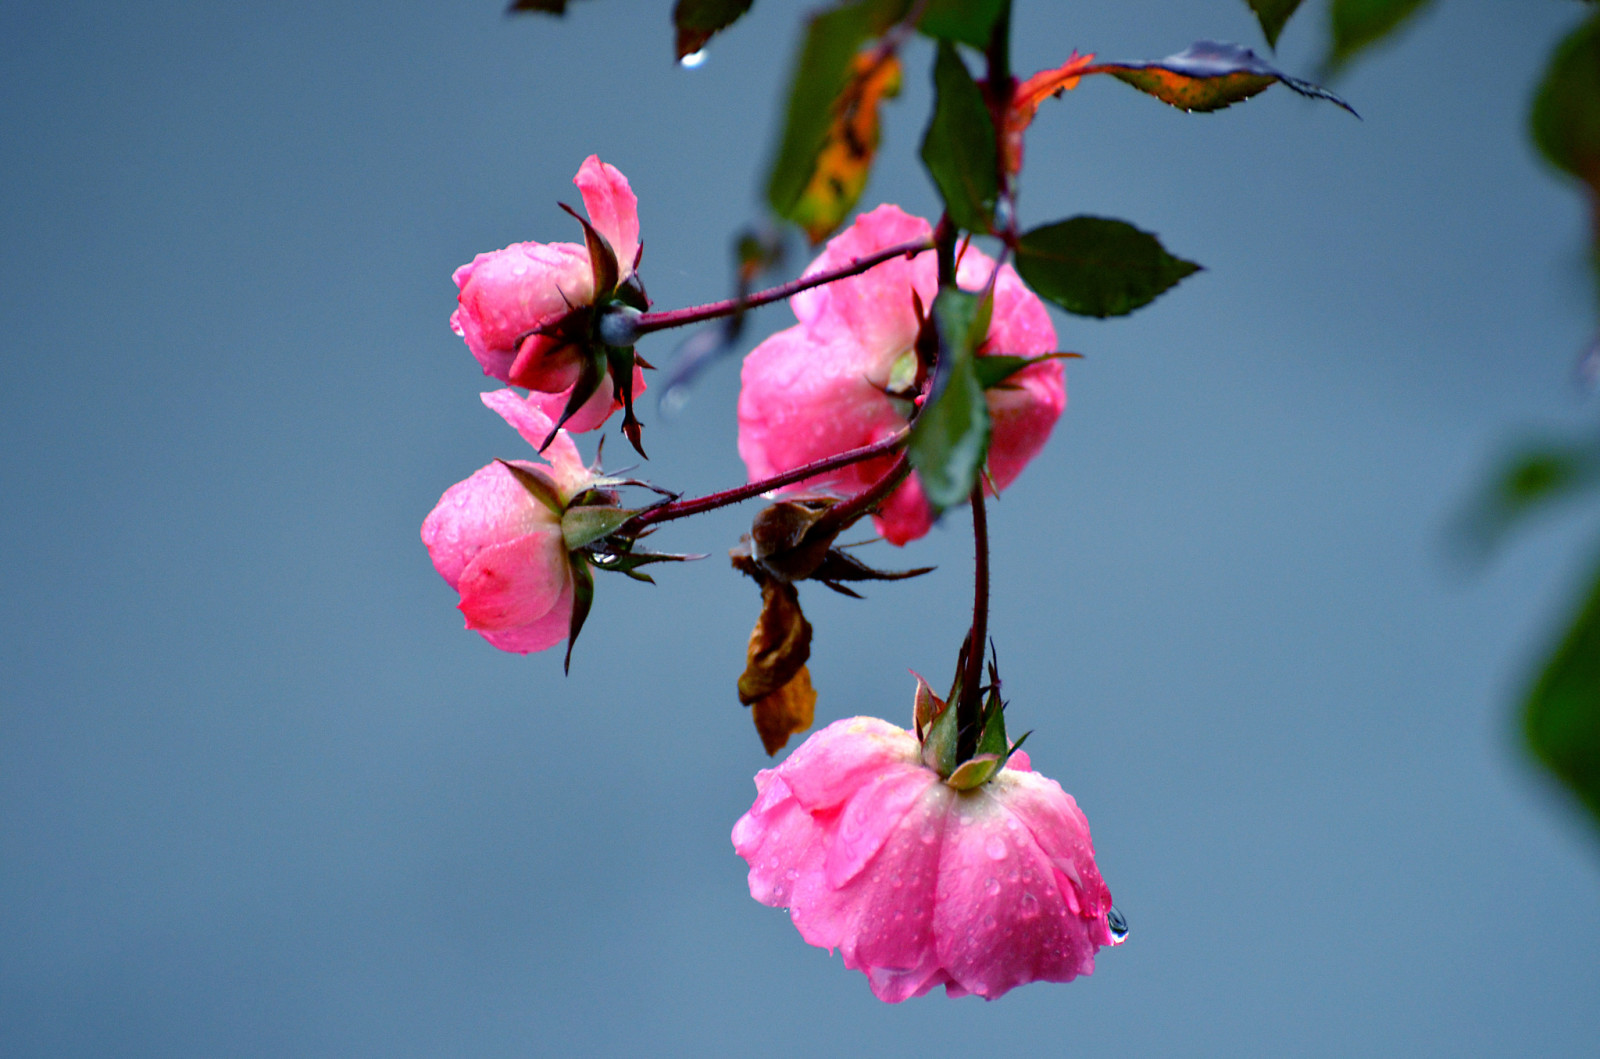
(788,710)
(779,644)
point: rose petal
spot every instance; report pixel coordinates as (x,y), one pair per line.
(517,582)
(613,209)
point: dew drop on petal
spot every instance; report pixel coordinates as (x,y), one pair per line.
(1028,907)
(1117,923)
(995,846)
(991,886)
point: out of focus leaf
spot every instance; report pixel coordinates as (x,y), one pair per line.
(697,21)
(1530,481)
(962,21)
(1273,14)
(548,7)
(959,148)
(1354,24)
(779,644)
(1562,716)
(1094,266)
(1210,75)
(841,167)
(1566,111)
(950,437)
(821,74)
(784,712)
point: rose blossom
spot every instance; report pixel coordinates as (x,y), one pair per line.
(510,292)
(821,387)
(502,548)
(920,885)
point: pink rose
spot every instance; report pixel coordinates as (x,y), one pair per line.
(501,548)
(920,885)
(824,385)
(507,293)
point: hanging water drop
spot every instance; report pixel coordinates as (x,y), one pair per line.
(1117,923)
(694,60)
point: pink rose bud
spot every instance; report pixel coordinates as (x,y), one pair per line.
(528,286)
(918,884)
(502,548)
(839,379)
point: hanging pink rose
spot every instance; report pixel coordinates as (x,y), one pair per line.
(920,885)
(507,293)
(827,384)
(501,548)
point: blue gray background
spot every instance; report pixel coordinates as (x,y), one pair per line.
(260,795)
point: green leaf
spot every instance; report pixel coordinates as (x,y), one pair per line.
(959,147)
(1273,14)
(950,437)
(1562,715)
(821,74)
(1355,24)
(1565,121)
(1529,482)
(1094,266)
(1210,75)
(962,21)
(697,21)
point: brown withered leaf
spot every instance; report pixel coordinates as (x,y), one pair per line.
(779,644)
(782,541)
(784,712)
(841,167)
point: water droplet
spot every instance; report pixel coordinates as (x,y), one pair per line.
(792,874)
(604,558)
(995,846)
(988,920)
(896,881)
(694,60)
(1117,923)
(991,886)
(929,835)
(1028,907)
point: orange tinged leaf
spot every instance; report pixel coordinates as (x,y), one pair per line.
(779,644)
(841,167)
(784,712)
(1027,96)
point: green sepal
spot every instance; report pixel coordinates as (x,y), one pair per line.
(602,259)
(628,562)
(950,437)
(583,524)
(993,740)
(620,360)
(939,747)
(589,379)
(959,147)
(582,600)
(994,370)
(925,707)
(1023,738)
(537,485)
(974,772)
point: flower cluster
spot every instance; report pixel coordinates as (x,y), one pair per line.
(845,375)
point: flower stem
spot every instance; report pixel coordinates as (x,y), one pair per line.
(844,514)
(969,709)
(698,505)
(648,322)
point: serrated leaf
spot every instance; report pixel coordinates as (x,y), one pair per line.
(1273,14)
(1355,24)
(785,711)
(1027,96)
(950,437)
(1565,120)
(1210,75)
(1095,266)
(851,143)
(1562,715)
(822,72)
(697,21)
(969,22)
(959,147)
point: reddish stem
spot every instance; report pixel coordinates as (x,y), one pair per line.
(969,709)
(648,322)
(684,508)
